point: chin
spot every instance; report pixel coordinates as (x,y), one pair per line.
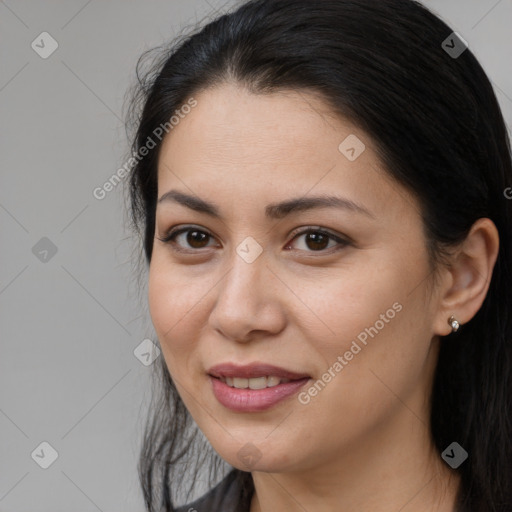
(258,456)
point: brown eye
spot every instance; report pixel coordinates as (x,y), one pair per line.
(196,238)
(317,240)
(193,239)
(190,239)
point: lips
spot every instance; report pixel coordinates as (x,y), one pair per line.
(241,389)
(252,371)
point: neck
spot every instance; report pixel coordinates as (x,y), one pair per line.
(392,469)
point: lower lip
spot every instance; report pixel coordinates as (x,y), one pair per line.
(254,400)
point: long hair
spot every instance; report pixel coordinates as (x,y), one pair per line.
(439,132)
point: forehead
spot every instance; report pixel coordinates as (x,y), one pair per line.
(229,120)
(234,143)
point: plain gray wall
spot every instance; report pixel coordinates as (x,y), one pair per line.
(70,321)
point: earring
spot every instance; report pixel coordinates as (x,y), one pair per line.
(454,323)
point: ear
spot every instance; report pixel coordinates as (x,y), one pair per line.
(466,281)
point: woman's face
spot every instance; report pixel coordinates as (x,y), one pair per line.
(348,309)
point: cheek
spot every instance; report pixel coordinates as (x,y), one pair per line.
(356,300)
(174,307)
(378,333)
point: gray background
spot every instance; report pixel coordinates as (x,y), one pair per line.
(70,322)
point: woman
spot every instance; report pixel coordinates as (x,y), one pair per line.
(321,198)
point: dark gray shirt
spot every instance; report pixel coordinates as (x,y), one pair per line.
(224,497)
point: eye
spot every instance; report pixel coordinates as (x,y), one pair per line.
(194,237)
(317,240)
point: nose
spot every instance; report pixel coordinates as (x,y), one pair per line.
(249,301)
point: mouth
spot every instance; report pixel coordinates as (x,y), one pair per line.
(254,387)
(253,371)
(269,381)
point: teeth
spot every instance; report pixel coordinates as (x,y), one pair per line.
(273,381)
(254,383)
(240,383)
(258,383)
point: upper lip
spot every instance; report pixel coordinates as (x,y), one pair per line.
(253,370)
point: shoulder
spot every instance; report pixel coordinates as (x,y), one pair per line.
(222,498)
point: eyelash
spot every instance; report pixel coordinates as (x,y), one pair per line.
(170,236)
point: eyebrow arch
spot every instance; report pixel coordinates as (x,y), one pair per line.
(272,211)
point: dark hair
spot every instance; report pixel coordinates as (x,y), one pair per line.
(438,130)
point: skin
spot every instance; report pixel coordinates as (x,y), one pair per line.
(363,442)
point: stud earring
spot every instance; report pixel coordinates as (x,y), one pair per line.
(454,323)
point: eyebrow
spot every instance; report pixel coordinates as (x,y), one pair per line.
(272,211)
